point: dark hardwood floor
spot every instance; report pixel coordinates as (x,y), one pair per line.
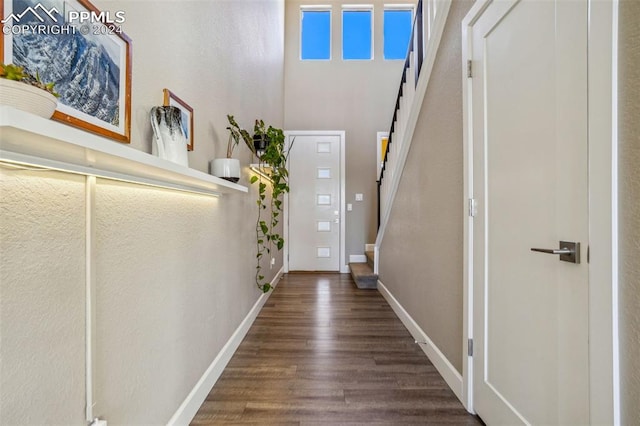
(323,352)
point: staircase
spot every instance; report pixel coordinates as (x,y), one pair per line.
(428,25)
(363,274)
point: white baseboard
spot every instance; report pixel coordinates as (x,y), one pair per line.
(198,394)
(357,258)
(437,358)
(369,247)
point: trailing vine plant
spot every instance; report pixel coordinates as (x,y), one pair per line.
(274,158)
(274,161)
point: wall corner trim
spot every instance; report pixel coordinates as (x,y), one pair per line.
(437,358)
(198,394)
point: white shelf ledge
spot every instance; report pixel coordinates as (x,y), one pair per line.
(31,140)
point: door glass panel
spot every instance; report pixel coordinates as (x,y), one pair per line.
(324,147)
(324,252)
(324,199)
(324,173)
(324,226)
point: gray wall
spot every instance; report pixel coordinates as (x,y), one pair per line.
(174,271)
(421,254)
(629,181)
(355,96)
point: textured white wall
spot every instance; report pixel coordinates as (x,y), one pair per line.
(421,254)
(355,96)
(179,283)
(629,175)
(174,271)
(42,297)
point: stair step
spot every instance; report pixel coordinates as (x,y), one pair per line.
(370,258)
(363,275)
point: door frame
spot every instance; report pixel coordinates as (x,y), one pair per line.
(604,372)
(344,268)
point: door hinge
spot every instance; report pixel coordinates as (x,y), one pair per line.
(470,347)
(469,68)
(473,207)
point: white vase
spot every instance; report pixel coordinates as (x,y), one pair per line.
(169,142)
(226,168)
(27,98)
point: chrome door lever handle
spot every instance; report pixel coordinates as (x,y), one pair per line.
(553,251)
(568,251)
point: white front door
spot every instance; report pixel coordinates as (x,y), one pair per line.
(314,205)
(530,175)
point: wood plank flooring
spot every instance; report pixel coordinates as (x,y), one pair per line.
(322,352)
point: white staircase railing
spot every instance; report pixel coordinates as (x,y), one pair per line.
(428,27)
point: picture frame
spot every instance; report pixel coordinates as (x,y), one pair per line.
(94,86)
(170,99)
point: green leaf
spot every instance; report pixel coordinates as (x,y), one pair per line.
(261,277)
(254,179)
(280,244)
(266,288)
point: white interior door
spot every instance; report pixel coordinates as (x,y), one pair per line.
(529,141)
(314,206)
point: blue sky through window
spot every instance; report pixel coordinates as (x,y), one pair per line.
(397,33)
(316,34)
(356,34)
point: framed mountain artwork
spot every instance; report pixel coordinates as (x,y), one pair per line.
(83,51)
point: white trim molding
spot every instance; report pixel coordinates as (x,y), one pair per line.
(357,258)
(198,394)
(604,374)
(437,358)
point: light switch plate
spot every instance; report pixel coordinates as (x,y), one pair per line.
(359,197)
(349,207)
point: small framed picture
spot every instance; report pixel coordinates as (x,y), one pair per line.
(170,99)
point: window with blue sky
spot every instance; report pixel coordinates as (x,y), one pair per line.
(397,33)
(315,40)
(357,34)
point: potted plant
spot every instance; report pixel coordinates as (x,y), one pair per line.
(23,91)
(268,145)
(273,156)
(229,168)
(260,138)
